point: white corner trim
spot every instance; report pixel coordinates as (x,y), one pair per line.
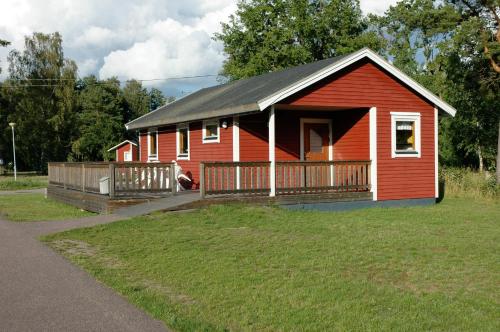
(178,156)
(236,138)
(436,151)
(153,158)
(330,136)
(204,138)
(373,152)
(140,147)
(272,151)
(406,116)
(236,148)
(339,65)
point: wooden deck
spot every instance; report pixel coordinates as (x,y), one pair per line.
(104,204)
(296,182)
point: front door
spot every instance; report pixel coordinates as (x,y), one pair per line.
(316,141)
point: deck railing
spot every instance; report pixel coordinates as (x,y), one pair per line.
(125,179)
(300,177)
(292,177)
(234,177)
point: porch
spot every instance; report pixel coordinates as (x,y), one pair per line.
(295,182)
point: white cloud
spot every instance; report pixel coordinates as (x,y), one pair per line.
(132,38)
(376,6)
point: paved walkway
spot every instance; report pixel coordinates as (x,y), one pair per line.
(42,291)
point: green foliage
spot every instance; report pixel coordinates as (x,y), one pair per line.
(268,35)
(246,268)
(60,117)
(39,101)
(462,182)
(441,44)
(101,120)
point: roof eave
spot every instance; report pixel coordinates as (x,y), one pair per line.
(224,112)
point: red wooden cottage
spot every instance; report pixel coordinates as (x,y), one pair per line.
(351,124)
(126,151)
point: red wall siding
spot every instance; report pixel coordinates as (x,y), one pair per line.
(199,151)
(254,137)
(366,85)
(350,133)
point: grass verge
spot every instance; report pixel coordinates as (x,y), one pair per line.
(35,207)
(23,182)
(266,269)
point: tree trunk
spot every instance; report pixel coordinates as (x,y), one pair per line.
(498,155)
(481,161)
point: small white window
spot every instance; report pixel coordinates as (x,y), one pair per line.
(405,132)
(183,142)
(211,131)
(127,156)
(153,144)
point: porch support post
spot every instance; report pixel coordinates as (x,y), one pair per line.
(272,151)
(236,149)
(373,152)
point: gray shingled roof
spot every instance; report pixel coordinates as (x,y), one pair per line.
(228,99)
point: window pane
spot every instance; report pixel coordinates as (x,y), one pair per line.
(315,141)
(183,141)
(211,130)
(152,144)
(405,135)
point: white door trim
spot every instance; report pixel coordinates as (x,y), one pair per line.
(330,137)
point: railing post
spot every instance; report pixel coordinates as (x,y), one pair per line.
(202,180)
(64,175)
(111,180)
(173,182)
(83,177)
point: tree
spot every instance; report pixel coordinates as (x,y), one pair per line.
(156,99)
(40,102)
(101,121)
(268,35)
(441,44)
(137,100)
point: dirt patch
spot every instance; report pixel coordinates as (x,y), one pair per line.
(74,247)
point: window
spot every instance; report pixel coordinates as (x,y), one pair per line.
(211,131)
(183,142)
(153,144)
(405,134)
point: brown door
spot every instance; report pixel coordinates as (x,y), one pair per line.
(316,141)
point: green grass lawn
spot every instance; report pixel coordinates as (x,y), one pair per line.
(267,269)
(23,182)
(35,207)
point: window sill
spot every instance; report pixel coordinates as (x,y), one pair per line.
(406,154)
(183,157)
(211,140)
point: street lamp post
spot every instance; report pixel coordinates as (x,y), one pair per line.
(12,125)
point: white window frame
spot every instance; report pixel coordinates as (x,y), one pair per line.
(129,153)
(177,140)
(152,157)
(206,139)
(405,116)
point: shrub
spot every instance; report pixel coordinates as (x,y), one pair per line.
(465,182)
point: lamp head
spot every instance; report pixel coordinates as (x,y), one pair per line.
(12,124)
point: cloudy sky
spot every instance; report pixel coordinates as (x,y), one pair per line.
(142,39)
